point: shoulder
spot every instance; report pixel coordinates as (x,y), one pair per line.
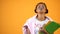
(49,18)
(31,18)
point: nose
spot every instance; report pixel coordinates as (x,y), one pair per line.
(41,7)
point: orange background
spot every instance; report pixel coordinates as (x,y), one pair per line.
(14,13)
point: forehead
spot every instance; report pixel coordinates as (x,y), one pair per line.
(41,5)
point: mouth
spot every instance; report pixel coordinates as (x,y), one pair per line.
(41,12)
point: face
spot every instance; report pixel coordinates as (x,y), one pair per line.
(41,9)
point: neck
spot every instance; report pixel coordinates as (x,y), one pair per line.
(40,17)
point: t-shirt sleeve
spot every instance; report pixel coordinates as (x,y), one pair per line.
(23,28)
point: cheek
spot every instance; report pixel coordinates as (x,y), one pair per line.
(44,10)
(37,10)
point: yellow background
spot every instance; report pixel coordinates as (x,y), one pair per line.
(14,13)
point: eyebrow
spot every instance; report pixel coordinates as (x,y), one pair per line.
(41,7)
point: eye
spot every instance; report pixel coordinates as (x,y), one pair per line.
(41,7)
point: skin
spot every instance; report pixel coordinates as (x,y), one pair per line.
(27,29)
(41,12)
(41,9)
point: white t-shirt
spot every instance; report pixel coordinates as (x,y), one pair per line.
(34,24)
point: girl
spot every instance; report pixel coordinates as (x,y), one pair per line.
(35,24)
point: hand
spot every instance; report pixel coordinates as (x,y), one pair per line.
(43,30)
(27,29)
